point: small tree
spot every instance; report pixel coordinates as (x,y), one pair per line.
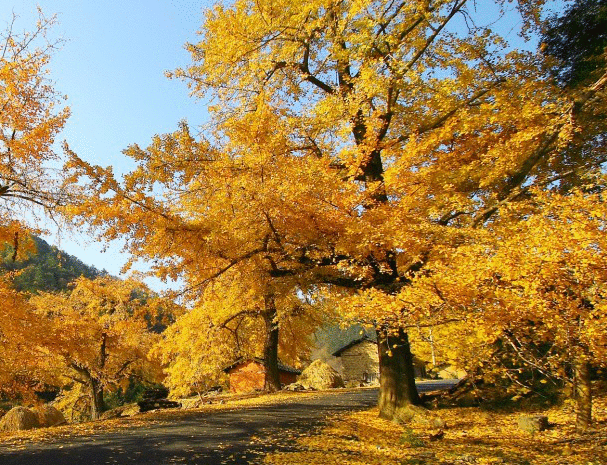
(233,319)
(97,336)
(29,122)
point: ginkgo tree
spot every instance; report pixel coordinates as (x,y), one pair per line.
(31,117)
(535,285)
(435,123)
(98,336)
(549,271)
(355,147)
(214,225)
(228,324)
(20,372)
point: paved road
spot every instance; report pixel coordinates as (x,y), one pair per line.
(221,437)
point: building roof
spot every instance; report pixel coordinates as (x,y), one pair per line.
(360,340)
(281,366)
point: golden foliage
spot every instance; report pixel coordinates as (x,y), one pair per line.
(100,332)
(545,271)
(227,324)
(372,154)
(20,330)
(30,120)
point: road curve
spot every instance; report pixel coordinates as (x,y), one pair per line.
(236,436)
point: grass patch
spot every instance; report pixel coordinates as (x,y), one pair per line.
(410,438)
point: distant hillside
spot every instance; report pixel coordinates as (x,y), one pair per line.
(48,269)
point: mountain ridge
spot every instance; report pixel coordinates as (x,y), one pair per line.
(46,269)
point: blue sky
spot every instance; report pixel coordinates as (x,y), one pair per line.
(111,67)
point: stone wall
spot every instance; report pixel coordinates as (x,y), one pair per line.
(361,363)
(360,360)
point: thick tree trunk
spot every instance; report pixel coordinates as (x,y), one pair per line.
(270,350)
(582,394)
(397,388)
(97,403)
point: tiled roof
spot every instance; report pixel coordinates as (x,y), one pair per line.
(338,352)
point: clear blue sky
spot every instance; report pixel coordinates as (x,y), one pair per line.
(112,67)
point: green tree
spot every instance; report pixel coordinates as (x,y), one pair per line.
(578,39)
(45,268)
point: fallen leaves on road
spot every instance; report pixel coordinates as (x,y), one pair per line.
(472,437)
(21,439)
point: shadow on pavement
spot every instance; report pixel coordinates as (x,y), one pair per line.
(227,437)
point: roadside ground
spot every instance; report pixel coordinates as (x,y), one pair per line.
(472,436)
(157,417)
(323,427)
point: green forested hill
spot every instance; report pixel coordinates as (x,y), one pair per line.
(47,269)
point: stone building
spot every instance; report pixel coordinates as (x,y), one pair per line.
(247,375)
(360,361)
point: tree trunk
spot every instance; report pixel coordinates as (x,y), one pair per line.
(432,348)
(397,388)
(97,403)
(270,350)
(582,394)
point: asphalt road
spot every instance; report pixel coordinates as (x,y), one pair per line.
(220,437)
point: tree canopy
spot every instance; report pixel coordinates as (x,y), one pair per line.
(31,119)
(357,151)
(97,336)
(578,38)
